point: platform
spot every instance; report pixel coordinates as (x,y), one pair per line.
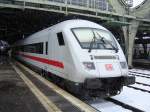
(23,90)
(15,96)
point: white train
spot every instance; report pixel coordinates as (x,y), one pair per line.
(78,54)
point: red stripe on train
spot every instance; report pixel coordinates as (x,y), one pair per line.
(43,60)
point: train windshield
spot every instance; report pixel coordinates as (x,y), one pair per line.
(91,38)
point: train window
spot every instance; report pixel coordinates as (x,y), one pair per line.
(33,48)
(60,39)
(46,48)
(91,38)
(39,48)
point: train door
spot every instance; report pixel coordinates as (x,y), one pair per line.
(50,45)
(60,48)
(48,51)
(55,53)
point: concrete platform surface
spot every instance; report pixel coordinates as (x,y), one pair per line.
(15,96)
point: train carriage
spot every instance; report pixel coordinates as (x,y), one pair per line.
(81,55)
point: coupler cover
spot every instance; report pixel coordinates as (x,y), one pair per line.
(128,80)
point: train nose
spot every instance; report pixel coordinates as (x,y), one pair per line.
(108,69)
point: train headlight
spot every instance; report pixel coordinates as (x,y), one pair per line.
(123,65)
(2,47)
(89,65)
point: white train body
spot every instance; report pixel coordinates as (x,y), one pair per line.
(81,52)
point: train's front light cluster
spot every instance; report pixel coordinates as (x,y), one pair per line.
(123,65)
(89,65)
(2,47)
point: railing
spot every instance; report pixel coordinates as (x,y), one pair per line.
(94,4)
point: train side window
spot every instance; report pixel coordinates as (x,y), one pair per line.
(34,48)
(60,39)
(39,48)
(46,48)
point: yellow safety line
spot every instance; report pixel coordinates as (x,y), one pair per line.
(75,101)
(49,106)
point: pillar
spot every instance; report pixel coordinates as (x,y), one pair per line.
(125,33)
(131,37)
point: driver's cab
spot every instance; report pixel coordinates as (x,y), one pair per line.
(92,38)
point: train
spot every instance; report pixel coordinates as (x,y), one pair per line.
(4,47)
(79,55)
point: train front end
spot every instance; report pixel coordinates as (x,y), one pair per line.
(103,68)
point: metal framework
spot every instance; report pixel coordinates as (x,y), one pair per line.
(100,9)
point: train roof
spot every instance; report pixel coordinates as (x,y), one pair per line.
(74,23)
(69,24)
(78,23)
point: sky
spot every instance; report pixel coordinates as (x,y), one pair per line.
(137,2)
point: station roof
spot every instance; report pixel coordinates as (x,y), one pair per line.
(16,24)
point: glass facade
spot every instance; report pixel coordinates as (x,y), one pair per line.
(96,4)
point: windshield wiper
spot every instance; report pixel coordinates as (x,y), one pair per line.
(91,43)
(102,39)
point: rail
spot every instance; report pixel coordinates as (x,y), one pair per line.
(93,4)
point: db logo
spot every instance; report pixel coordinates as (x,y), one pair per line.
(109,67)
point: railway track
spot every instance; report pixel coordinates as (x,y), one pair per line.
(139,74)
(124,105)
(143,84)
(137,88)
(134,98)
(110,104)
(139,84)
